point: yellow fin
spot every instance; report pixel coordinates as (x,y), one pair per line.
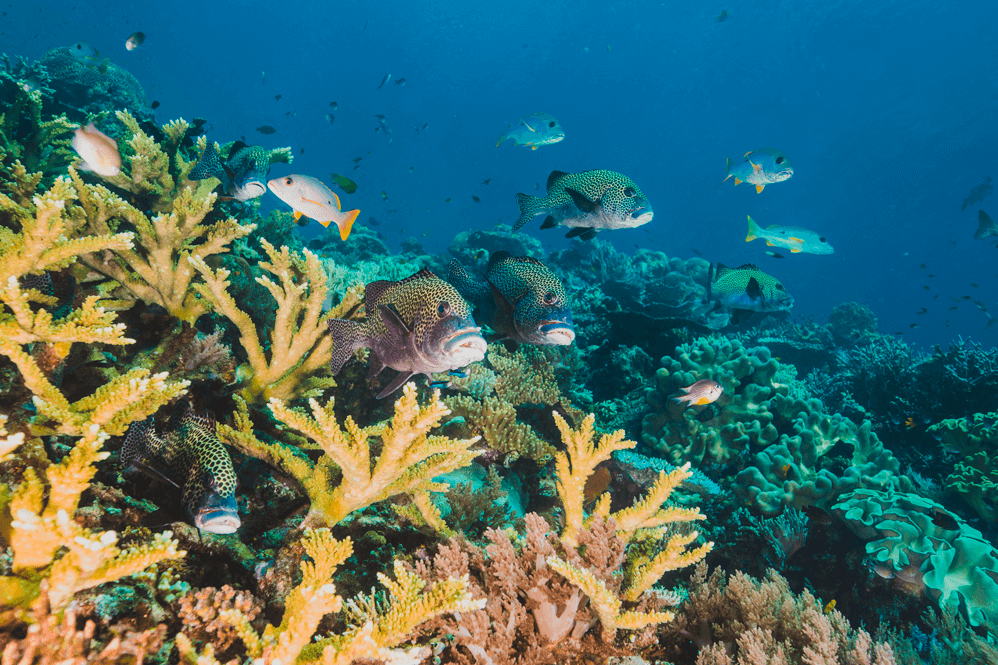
(533,147)
(759,188)
(347,223)
(750,237)
(747,154)
(297,214)
(737,181)
(325,225)
(770,244)
(800,240)
(755,167)
(796,251)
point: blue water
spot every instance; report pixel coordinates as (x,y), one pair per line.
(886,110)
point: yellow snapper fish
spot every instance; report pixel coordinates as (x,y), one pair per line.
(700,393)
(535,130)
(309,197)
(98,151)
(795,239)
(760,168)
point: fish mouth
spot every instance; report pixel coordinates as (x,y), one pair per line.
(466,344)
(642,215)
(558,333)
(250,189)
(220,521)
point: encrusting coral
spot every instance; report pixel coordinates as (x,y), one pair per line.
(348,476)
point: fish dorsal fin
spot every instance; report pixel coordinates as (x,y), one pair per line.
(753,289)
(720,271)
(503,304)
(554,177)
(236,147)
(374,291)
(745,156)
(497,257)
(581,202)
(422,273)
(748,266)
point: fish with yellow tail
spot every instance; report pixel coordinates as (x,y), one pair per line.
(746,287)
(418,325)
(533,130)
(309,197)
(701,393)
(760,168)
(795,239)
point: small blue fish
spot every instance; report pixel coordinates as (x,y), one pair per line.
(760,168)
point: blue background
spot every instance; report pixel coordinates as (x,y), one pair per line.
(886,109)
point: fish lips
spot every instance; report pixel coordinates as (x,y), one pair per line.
(556,333)
(642,215)
(465,346)
(249,189)
(218,514)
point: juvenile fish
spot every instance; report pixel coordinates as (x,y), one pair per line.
(534,130)
(587,202)
(135,40)
(309,197)
(98,151)
(520,299)
(419,325)
(700,393)
(760,168)
(189,457)
(795,239)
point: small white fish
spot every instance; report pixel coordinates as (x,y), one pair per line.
(98,151)
(309,197)
(700,393)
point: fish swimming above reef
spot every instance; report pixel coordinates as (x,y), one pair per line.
(135,40)
(309,197)
(704,391)
(189,457)
(795,239)
(89,57)
(722,17)
(98,151)
(534,130)
(242,175)
(978,194)
(266,129)
(747,287)
(986,226)
(520,299)
(760,168)
(418,325)
(587,202)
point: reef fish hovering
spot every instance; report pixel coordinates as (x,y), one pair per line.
(98,151)
(977,194)
(190,457)
(587,202)
(760,168)
(700,393)
(520,299)
(986,226)
(242,176)
(309,197)
(747,287)
(419,325)
(135,40)
(795,239)
(535,130)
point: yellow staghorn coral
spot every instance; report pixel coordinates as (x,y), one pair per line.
(495,420)
(53,552)
(410,604)
(410,458)
(146,166)
(158,271)
(299,343)
(606,604)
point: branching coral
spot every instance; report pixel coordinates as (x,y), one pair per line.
(299,342)
(409,459)
(411,602)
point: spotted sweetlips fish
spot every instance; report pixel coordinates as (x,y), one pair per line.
(520,299)
(587,202)
(242,175)
(189,457)
(747,287)
(418,325)
(760,168)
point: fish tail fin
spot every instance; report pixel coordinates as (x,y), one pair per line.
(348,336)
(347,223)
(681,399)
(986,226)
(505,135)
(208,166)
(460,278)
(529,207)
(753,230)
(759,188)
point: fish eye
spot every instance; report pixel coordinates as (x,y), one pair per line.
(822,240)
(779,160)
(289,181)
(549,297)
(629,192)
(443,309)
(779,287)
(551,124)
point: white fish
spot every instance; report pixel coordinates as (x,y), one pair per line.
(309,197)
(98,151)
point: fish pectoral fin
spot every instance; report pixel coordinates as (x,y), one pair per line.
(753,289)
(581,202)
(770,244)
(152,472)
(398,333)
(511,345)
(548,222)
(755,167)
(737,181)
(395,384)
(759,188)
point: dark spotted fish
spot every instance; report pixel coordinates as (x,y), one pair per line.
(520,299)
(242,175)
(419,325)
(191,458)
(587,202)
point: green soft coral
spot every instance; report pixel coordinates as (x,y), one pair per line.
(968,435)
